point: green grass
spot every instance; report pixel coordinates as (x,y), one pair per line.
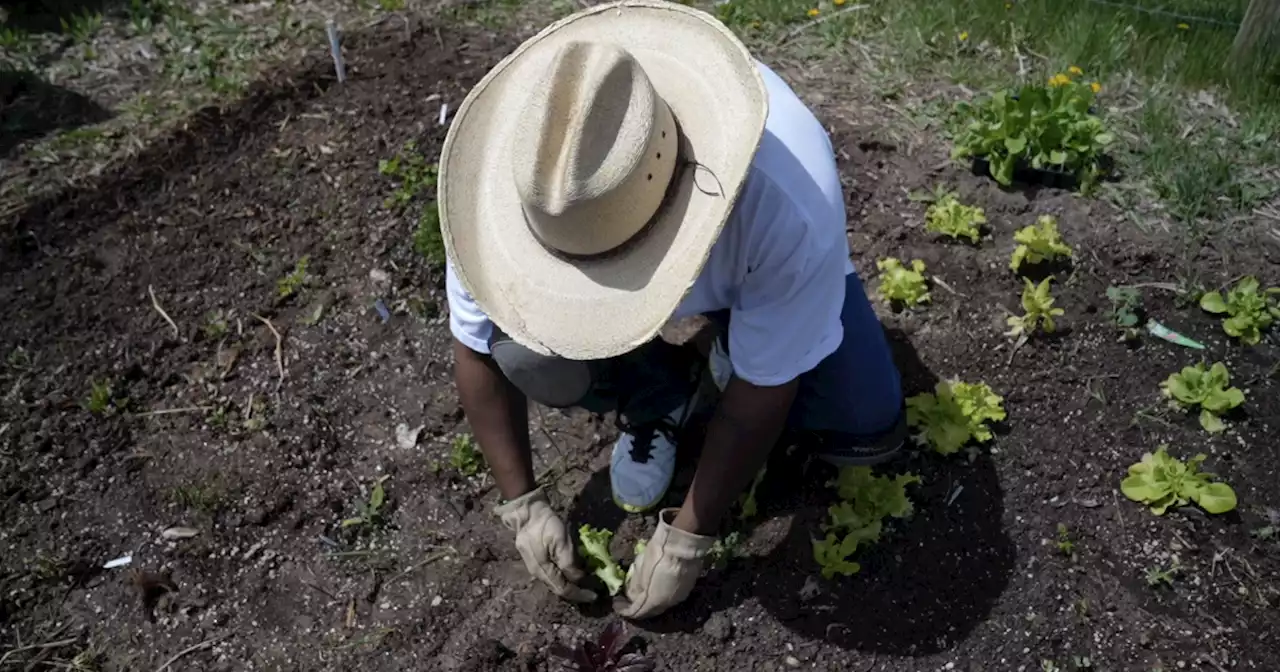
(1195,136)
(202,497)
(427,239)
(294,280)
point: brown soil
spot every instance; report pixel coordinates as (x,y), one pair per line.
(267,469)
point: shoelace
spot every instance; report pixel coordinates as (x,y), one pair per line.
(642,436)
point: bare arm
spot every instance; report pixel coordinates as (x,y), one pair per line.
(745,428)
(498,413)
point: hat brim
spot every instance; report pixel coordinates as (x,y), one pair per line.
(602,307)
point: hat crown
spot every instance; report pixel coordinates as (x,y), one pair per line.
(593,150)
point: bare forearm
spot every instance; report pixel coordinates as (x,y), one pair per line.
(747,424)
(498,414)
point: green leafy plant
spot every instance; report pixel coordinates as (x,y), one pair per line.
(103,400)
(1156,577)
(725,549)
(858,519)
(748,499)
(1038,243)
(414,174)
(1250,311)
(1161,481)
(1064,543)
(595,549)
(216,326)
(81,26)
(948,217)
(1126,311)
(1037,305)
(464,456)
(370,513)
(427,239)
(954,414)
(1208,389)
(899,283)
(291,283)
(1043,127)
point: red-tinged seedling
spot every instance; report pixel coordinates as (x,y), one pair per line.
(605,654)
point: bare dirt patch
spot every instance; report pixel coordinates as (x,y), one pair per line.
(265,468)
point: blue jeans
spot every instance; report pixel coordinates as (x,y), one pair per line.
(854,396)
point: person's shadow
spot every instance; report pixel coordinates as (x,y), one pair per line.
(929,581)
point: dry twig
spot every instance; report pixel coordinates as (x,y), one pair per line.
(190,649)
(279,348)
(32,647)
(423,563)
(154,302)
(172,411)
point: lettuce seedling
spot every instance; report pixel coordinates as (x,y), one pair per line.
(832,555)
(1161,481)
(595,549)
(1043,127)
(1194,386)
(948,217)
(899,283)
(955,414)
(875,496)
(1037,303)
(1038,243)
(1126,310)
(1250,311)
(859,518)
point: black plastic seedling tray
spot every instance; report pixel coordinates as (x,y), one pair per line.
(1025,174)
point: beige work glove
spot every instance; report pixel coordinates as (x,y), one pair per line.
(544,543)
(665,573)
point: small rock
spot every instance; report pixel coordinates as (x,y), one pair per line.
(792,661)
(379,278)
(253,550)
(175,533)
(406,436)
(256,516)
(718,627)
(435,601)
(47,505)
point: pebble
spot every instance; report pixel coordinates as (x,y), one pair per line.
(435,601)
(718,627)
(792,661)
(253,550)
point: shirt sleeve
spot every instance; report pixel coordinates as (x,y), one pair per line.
(467,322)
(786,318)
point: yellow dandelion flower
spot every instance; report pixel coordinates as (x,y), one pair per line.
(1059,80)
(1183,26)
(1075,70)
(814,12)
(837,3)
(964,36)
(1096,87)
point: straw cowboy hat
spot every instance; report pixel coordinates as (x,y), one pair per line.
(586,177)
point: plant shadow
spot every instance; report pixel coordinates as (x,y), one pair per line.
(928,583)
(32,108)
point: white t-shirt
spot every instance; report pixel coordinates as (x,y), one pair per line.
(779,265)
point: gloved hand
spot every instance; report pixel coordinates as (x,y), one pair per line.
(665,573)
(544,544)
